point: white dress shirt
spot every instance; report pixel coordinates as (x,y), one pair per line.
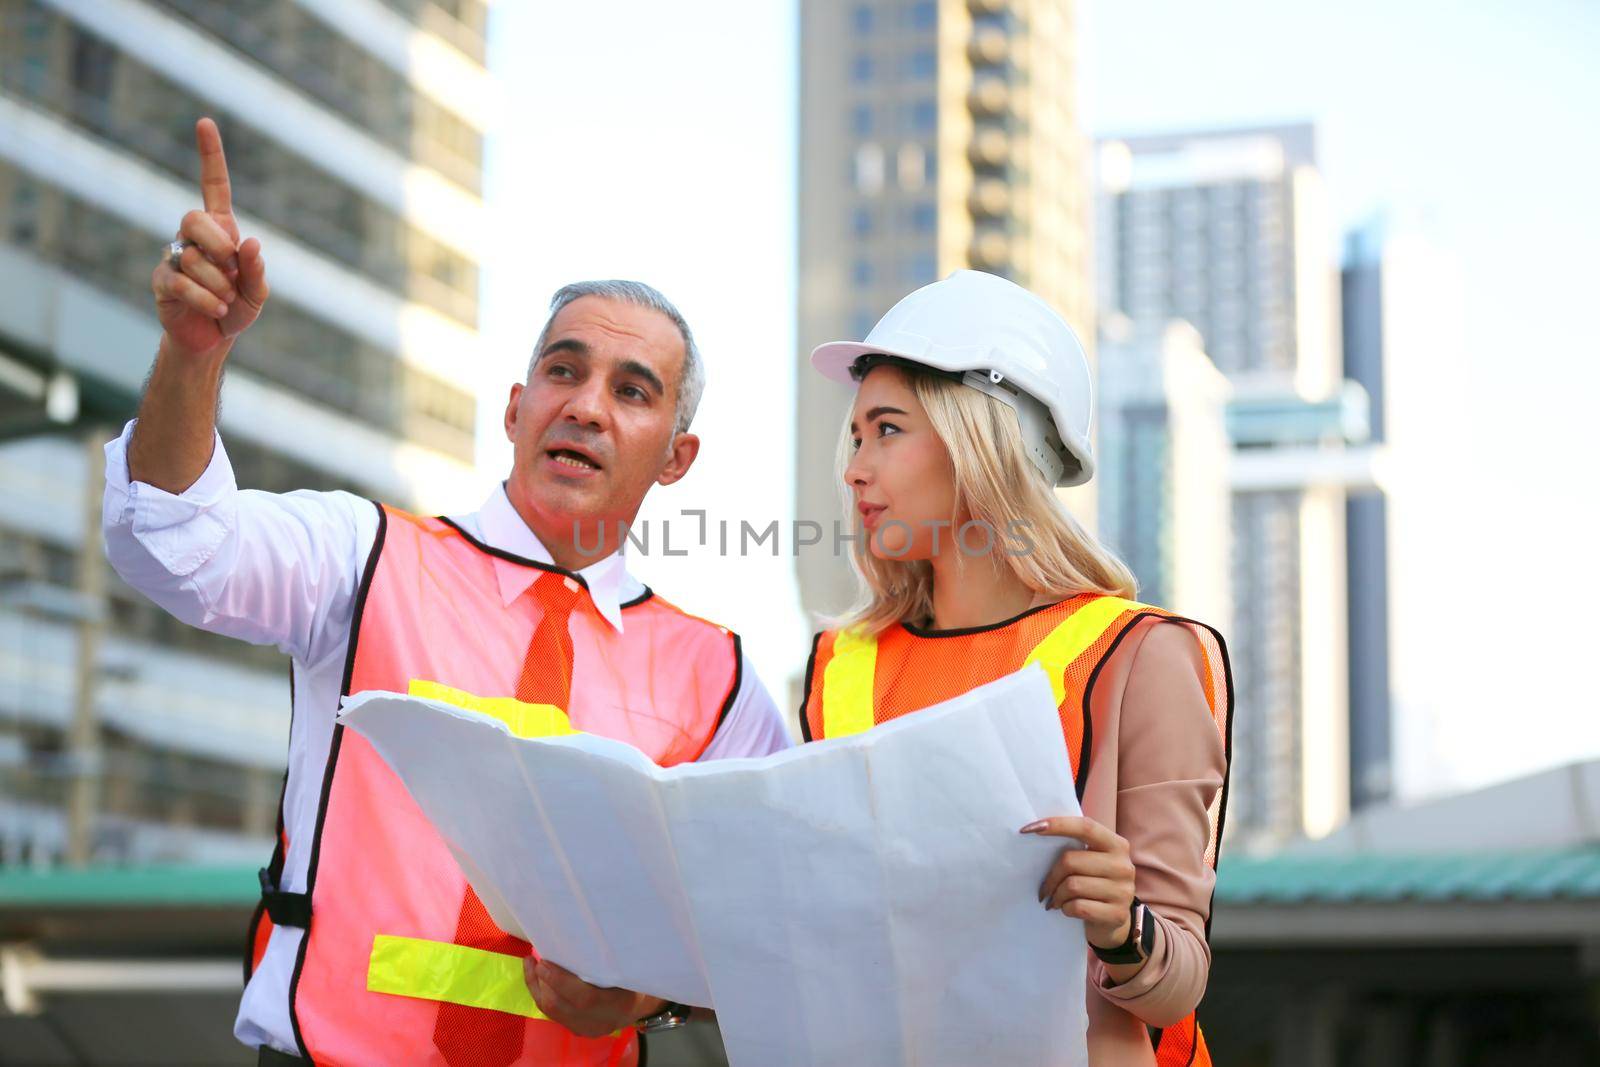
(284,570)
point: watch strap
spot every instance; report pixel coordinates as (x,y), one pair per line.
(1140,940)
(670,1017)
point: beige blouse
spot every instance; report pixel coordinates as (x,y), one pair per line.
(1155,766)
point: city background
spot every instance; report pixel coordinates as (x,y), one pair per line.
(1331,264)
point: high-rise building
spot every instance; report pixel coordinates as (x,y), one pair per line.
(1164,465)
(1228,231)
(934,135)
(1367,522)
(1405,316)
(354,137)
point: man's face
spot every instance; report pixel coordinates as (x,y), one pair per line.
(593,427)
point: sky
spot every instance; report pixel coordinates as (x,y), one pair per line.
(657,141)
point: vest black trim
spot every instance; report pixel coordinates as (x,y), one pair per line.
(523,561)
(251,930)
(805,694)
(733,690)
(512,557)
(968,631)
(1227,759)
(274,866)
(333,760)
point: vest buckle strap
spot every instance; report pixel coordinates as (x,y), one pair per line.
(284,909)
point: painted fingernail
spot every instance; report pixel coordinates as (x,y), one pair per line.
(1033,827)
(1040,894)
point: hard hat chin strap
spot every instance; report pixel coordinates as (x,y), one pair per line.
(1039,435)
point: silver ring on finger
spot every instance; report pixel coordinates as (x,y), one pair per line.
(175,253)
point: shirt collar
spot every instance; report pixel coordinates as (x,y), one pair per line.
(501,527)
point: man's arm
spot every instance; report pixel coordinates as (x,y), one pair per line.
(268,569)
(263,567)
(217,290)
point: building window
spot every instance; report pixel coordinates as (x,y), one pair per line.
(921,64)
(93,63)
(921,116)
(869,168)
(912,167)
(864,18)
(24,211)
(920,269)
(922,218)
(923,15)
(862,70)
(861,222)
(863,273)
(861,120)
(862,323)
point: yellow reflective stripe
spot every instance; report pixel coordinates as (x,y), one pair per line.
(438,970)
(1074,636)
(847,684)
(524,719)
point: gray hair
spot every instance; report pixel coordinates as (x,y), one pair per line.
(692,382)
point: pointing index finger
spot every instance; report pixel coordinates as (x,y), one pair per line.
(215,189)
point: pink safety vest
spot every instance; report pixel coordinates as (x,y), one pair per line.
(384,893)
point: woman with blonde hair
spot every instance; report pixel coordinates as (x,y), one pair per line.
(972,407)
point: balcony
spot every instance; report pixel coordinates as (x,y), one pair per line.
(990,148)
(990,97)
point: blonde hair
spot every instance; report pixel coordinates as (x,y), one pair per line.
(997,484)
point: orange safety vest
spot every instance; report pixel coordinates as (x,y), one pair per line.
(383,954)
(855,682)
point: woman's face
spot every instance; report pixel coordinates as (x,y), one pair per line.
(900,472)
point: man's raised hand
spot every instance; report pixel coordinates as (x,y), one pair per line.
(222,284)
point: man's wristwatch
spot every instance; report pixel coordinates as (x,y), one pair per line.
(668,1018)
(1141,937)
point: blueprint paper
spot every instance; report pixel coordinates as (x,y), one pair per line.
(860,900)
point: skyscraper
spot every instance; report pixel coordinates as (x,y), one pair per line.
(1164,465)
(354,138)
(933,136)
(1405,338)
(1367,519)
(1228,231)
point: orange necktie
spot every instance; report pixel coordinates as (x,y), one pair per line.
(478,1037)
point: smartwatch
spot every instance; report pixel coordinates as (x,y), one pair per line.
(1141,937)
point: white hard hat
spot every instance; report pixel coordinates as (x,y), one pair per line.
(1001,339)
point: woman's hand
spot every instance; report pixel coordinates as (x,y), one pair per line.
(1093,883)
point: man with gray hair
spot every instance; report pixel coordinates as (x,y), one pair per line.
(524,610)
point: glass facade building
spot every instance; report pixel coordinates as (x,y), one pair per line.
(354,136)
